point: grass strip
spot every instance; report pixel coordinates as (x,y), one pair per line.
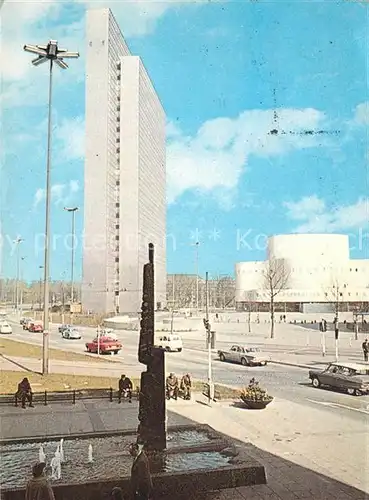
(14,348)
(64,382)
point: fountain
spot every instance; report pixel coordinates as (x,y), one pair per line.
(41,454)
(182,458)
(62,456)
(56,465)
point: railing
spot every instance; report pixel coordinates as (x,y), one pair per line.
(70,396)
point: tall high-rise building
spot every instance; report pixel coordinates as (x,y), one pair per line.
(125,175)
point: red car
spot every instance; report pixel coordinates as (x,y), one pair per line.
(35,327)
(107,345)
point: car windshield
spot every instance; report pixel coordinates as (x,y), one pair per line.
(361,371)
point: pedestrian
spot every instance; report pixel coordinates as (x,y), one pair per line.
(172,386)
(365,347)
(141,482)
(186,386)
(125,388)
(38,488)
(24,392)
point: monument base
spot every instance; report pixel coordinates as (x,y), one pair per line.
(152,411)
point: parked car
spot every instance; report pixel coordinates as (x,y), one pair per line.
(5,327)
(352,378)
(35,327)
(169,342)
(247,356)
(64,327)
(107,345)
(27,323)
(71,333)
(22,320)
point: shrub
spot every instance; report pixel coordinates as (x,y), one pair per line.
(253,392)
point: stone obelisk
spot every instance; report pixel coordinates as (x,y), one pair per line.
(152,402)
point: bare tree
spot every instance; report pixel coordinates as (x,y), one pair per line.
(250,298)
(275,277)
(335,294)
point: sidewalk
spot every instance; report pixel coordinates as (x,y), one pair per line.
(300,460)
(307,453)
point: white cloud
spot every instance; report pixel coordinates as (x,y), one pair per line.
(306,208)
(61,194)
(362,113)
(71,136)
(172,130)
(74,186)
(215,158)
(318,218)
(20,21)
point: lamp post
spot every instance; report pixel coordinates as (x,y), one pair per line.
(17,242)
(73,212)
(196,245)
(40,287)
(48,53)
(21,290)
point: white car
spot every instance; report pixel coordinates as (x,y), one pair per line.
(169,342)
(247,356)
(71,333)
(5,327)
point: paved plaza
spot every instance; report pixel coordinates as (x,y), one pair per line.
(315,459)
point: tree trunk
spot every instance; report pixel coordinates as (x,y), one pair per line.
(272,317)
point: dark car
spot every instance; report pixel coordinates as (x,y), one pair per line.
(352,378)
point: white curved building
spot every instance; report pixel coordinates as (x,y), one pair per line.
(320,274)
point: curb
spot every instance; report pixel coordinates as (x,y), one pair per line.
(297,365)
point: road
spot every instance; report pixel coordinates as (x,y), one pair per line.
(287,382)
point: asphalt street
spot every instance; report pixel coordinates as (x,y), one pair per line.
(287,382)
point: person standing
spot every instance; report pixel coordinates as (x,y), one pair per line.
(365,347)
(141,482)
(186,386)
(24,392)
(172,386)
(38,488)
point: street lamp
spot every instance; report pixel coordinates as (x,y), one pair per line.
(40,288)
(51,53)
(73,212)
(17,242)
(196,245)
(21,290)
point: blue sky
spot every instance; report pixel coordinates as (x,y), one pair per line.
(221,71)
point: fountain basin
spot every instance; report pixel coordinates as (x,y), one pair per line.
(197,457)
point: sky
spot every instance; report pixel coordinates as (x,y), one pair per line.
(227,73)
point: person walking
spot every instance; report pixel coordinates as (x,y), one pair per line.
(141,482)
(365,347)
(38,488)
